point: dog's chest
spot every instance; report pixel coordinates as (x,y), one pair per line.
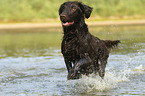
(71,46)
(70,49)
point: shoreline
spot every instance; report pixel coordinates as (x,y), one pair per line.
(58,24)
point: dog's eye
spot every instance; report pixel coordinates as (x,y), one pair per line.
(73,9)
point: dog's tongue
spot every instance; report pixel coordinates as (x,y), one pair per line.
(68,23)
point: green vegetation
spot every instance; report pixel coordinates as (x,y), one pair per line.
(29,10)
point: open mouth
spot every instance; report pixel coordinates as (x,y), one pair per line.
(68,23)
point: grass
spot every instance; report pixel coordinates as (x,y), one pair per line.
(43,10)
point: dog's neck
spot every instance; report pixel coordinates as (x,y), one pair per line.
(79,28)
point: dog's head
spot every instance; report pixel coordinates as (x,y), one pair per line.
(71,12)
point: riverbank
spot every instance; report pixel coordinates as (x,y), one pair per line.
(58,24)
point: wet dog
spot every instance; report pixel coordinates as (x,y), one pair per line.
(83,53)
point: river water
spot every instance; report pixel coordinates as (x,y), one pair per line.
(31,63)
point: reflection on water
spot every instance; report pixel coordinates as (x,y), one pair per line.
(31,63)
(29,43)
(42,42)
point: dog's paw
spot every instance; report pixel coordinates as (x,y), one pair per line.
(73,75)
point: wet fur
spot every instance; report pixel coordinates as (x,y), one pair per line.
(83,53)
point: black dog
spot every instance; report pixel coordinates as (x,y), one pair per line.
(83,53)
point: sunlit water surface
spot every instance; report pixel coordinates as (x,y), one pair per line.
(31,64)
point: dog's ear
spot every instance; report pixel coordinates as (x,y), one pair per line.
(87,10)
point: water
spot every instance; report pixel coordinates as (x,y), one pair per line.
(31,64)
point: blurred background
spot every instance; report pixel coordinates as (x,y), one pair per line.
(31,63)
(38,10)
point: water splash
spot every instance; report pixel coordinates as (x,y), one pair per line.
(94,83)
(139,70)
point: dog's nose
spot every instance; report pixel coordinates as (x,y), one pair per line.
(63,17)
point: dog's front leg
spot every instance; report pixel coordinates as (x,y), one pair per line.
(68,65)
(74,72)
